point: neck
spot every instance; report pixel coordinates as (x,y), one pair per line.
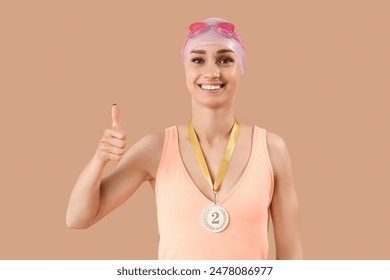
(212,124)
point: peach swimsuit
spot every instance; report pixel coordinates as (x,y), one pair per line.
(180,205)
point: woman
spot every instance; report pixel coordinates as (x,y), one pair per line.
(216,181)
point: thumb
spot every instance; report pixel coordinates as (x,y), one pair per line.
(115,116)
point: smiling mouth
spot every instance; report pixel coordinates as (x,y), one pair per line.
(211,87)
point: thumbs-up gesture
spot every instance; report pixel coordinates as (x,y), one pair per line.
(113,143)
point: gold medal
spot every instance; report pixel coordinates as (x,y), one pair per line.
(215,218)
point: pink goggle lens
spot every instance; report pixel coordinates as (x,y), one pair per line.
(197,27)
(226,28)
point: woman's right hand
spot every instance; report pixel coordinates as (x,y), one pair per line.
(113,143)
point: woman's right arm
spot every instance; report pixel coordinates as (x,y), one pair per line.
(93,196)
(85,197)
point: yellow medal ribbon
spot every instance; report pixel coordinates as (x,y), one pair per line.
(226,157)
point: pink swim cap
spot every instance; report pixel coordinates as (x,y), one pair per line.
(214,31)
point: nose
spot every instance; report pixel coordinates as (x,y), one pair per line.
(212,71)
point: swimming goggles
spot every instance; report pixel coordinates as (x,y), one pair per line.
(224,28)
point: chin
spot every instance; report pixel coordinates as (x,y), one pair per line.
(214,101)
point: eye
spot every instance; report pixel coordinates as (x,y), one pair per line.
(197,60)
(226,60)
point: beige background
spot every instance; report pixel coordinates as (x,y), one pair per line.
(317,74)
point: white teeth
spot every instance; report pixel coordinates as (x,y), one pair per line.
(211,87)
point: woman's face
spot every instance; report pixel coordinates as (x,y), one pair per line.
(213,74)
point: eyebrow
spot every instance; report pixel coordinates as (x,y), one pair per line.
(218,52)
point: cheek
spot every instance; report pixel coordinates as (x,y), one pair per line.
(236,72)
(234,75)
(191,77)
(189,82)
(234,80)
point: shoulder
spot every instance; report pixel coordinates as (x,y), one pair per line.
(145,154)
(278,152)
(275,142)
(155,138)
(151,144)
(146,148)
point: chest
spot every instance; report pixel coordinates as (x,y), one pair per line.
(213,156)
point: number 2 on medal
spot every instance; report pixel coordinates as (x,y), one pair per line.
(215,215)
